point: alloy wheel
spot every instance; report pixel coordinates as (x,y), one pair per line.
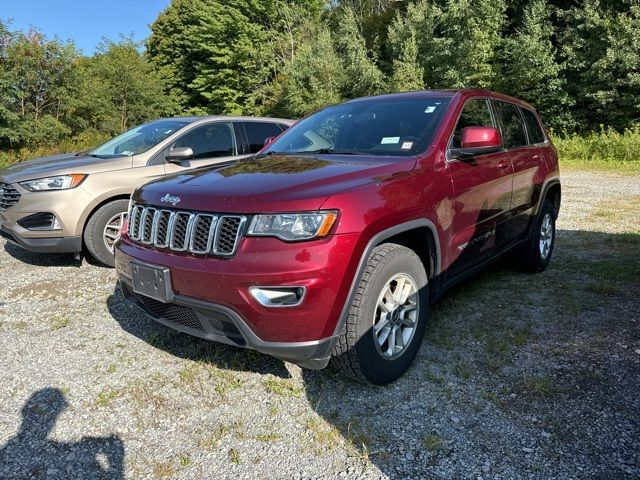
(396,315)
(546,236)
(113,230)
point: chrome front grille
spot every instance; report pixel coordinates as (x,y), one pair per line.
(9,196)
(180,231)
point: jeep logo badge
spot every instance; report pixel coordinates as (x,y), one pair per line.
(168,198)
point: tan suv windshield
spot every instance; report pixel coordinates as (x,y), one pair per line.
(139,139)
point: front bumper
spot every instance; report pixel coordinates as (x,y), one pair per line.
(66,205)
(220,324)
(43,244)
(217,289)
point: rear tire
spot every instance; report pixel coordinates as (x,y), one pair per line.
(102,229)
(535,254)
(387,317)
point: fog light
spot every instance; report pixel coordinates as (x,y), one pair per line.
(279,296)
(43,221)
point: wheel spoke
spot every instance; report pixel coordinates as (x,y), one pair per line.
(383,335)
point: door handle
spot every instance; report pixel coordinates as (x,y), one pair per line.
(504,164)
(537,157)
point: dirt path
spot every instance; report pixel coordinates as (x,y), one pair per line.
(519,376)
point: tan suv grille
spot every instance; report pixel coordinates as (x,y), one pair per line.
(180,231)
(9,196)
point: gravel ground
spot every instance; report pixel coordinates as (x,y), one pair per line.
(519,376)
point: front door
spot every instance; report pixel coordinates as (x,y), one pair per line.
(482,190)
(212,144)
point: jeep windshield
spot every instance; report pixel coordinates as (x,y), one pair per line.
(139,139)
(390,127)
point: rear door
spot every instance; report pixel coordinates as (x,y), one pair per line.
(482,188)
(212,144)
(523,143)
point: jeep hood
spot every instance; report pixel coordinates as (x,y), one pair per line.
(270,184)
(60,165)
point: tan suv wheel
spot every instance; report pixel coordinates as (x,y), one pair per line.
(103,229)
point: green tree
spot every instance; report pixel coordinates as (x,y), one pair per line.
(37,84)
(120,88)
(407,73)
(466,52)
(600,48)
(531,70)
(313,79)
(365,78)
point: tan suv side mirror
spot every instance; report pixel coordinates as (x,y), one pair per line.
(178,154)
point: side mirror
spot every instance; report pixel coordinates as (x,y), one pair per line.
(178,154)
(268,141)
(479,141)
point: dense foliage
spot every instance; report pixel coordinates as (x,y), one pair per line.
(577,61)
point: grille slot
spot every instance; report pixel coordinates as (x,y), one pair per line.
(227,235)
(146,225)
(178,314)
(180,231)
(9,196)
(161,233)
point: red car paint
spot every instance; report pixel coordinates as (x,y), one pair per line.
(477,207)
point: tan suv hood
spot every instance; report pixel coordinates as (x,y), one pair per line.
(60,165)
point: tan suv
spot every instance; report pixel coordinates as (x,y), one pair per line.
(68,203)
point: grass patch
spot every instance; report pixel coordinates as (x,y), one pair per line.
(462,370)
(603,150)
(105,398)
(59,322)
(212,439)
(432,442)
(540,385)
(234,456)
(282,388)
(325,437)
(267,437)
(185,460)
(164,470)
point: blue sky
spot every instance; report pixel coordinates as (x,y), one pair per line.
(85,22)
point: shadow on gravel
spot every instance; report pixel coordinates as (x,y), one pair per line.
(41,259)
(31,454)
(137,323)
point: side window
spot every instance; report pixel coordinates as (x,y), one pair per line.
(258,132)
(513,134)
(533,126)
(475,113)
(210,141)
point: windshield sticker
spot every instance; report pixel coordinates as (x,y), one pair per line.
(407,145)
(389,140)
(430,110)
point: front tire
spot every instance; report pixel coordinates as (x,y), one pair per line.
(103,229)
(387,318)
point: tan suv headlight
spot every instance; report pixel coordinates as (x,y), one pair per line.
(293,226)
(59,182)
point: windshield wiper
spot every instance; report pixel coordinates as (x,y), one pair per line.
(328,151)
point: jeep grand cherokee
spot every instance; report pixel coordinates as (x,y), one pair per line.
(331,243)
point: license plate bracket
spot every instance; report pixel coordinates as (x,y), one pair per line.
(153,282)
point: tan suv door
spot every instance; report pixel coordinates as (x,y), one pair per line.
(212,143)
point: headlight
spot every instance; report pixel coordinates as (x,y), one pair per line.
(59,182)
(293,226)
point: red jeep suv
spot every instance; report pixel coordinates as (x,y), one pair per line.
(331,242)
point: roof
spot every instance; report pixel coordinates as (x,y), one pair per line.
(229,118)
(463,92)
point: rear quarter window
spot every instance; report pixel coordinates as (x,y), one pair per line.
(536,135)
(258,132)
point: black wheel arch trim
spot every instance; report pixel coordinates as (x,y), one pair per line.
(376,240)
(545,190)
